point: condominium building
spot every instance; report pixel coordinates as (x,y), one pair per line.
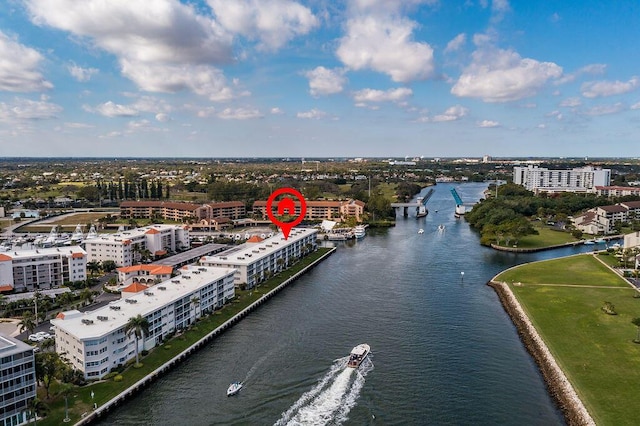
(582,179)
(42,268)
(126,247)
(181,211)
(319,210)
(95,342)
(17,381)
(257,259)
(617,191)
(603,219)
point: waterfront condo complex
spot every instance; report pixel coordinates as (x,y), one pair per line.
(258,258)
(95,342)
(581,179)
(41,268)
(17,380)
(126,247)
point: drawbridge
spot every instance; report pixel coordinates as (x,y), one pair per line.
(420,205)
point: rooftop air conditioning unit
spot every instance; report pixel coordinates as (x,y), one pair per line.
(161,287)
(103,318)
(115,308)
(87,321)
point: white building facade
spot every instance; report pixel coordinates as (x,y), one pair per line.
(540,179)
(42,268)
(256,261)
(17,381)
(95,342)
(125,247)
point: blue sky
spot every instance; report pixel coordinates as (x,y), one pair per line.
(246,78)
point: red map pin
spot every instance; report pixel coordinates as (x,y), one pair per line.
(290,206)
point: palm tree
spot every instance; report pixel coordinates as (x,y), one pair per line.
(195,302)
(27,322)
(93,267)
(636,322)
(65,389)
(138,326)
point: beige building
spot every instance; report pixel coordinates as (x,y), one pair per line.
(181,211)
(319,210)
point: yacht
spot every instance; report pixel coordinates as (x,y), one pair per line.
(420,231)
(359,231)
(234,388)
(441,227)
(358,354)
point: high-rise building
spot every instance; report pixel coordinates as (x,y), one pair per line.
(17,380)
(540,179)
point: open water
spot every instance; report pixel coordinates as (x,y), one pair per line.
(443,349)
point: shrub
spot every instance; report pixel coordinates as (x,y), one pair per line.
(118,378)
(144,352)
(111,375)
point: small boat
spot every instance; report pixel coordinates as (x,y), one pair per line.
(420,231)
(589,243)
(358,354)
(600,241)
(441,227)
(359,231)
(234,388)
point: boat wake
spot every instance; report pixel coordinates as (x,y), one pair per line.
(331,399)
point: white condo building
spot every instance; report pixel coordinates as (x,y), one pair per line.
(582,179)
(124,247)
(258,258)
(42,268)
(95,342)
(17,381)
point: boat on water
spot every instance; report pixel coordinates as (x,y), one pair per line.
(589,243)
(358,354)
(234,388)
(600,240)
(359,231)
(441,227)
(420,231)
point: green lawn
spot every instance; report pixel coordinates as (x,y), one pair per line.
(81,402)
(595,350)
(546,237)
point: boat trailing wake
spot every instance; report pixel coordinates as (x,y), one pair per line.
(331,399)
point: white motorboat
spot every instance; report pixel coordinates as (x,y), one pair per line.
(358,354)
(359,231)
(420,231)
(234,388)
(441,227)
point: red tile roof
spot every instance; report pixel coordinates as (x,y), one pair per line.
(4,257)
(77,255)
(6,287)
(134,288)
(255,239)
(152,231)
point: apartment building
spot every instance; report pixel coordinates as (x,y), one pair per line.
(319,210)
(181,211)
(602,220)
(95,342)
(582,179)
(17,381)
(125,248)
(42,268)
(617,191)
(258,258)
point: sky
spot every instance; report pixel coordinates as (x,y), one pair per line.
(319,78)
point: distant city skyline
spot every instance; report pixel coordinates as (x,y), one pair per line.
(319,78)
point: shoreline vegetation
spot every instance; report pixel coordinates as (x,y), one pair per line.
(585,353)
(107,394)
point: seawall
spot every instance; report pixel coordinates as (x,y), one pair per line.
(559,387)
(175,361)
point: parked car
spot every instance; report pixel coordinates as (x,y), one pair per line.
(35,338)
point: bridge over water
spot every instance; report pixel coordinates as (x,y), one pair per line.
(419,205)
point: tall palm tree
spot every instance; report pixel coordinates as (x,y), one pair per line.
(27,322)
(636,322)
(93,267)
(138,326)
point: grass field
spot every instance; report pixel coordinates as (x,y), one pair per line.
(546,237)
(594,349)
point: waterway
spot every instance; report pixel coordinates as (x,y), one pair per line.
(443,350)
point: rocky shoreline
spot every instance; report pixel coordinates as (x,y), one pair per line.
(559,387)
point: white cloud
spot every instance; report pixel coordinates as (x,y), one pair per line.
(82,74)
(312,114)
(27,109)
(161,45)
(162,117)
(19,67)
(276,111)
(497,75)
(239,114)
(111,109)
(391,95)
(323,81)
(635,106)
(488,123)
(597,89)
(272,22)
(555,17)
(571,102)
(453,113)
(605,109)
(73,125)
(384,44)
(456,43)
(591,69)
